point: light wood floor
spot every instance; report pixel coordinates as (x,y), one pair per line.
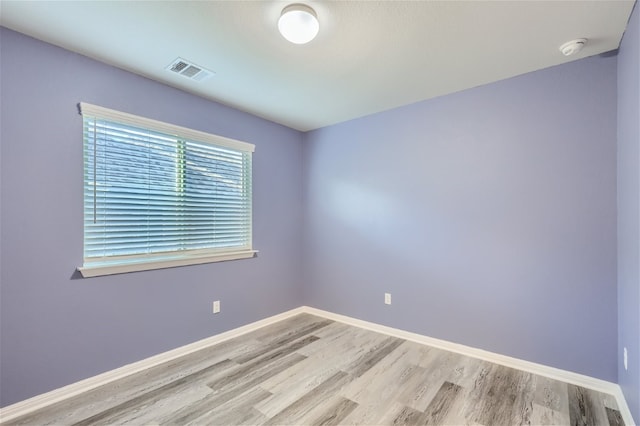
(312,371)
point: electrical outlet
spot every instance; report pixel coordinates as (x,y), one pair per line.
(387,298)
(216,306)
(625,358)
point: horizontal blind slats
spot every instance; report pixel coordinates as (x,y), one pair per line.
(151,193)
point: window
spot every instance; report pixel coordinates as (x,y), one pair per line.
(158,195)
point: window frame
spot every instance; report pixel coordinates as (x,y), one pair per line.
(109,265)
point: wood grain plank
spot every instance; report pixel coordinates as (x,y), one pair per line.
(277,330)
(439,408)
(237,411)
(115,414)
(497,397)
(160,407)
(437,368)
(584,407)
(377,390)
(312,371)
(614,417)
(113,394)
(257,364)
(374,356)
(544,415)
(324,358)
(409,416)
(387,373)
(282,340)
(552,394)
(294,412)
(231,390)
(334,413)
(294,383)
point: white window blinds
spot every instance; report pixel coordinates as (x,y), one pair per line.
(158,195)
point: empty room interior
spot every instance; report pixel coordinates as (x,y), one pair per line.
(320,212)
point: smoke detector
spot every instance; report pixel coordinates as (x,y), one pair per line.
(189,70)
(572,47)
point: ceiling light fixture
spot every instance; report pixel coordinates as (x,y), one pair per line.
(572,47)
(298,23)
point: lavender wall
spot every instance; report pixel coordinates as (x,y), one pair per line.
(629,212)
(56,329)
(489,215)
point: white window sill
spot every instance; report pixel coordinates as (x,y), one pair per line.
(98,270)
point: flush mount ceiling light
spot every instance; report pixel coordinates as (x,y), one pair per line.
(572,47)
(298,23)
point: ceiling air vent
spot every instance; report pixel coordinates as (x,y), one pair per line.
(189,70)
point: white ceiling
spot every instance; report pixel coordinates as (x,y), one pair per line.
(369,56)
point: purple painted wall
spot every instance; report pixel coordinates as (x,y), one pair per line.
(629,212)
(489,215)
(56,329)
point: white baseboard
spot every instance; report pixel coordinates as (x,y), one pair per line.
(530,367)
(40,401)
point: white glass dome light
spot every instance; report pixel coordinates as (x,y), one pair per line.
(298,23)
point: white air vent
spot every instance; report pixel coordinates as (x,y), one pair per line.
(189,70)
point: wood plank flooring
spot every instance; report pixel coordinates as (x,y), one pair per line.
(308,370)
